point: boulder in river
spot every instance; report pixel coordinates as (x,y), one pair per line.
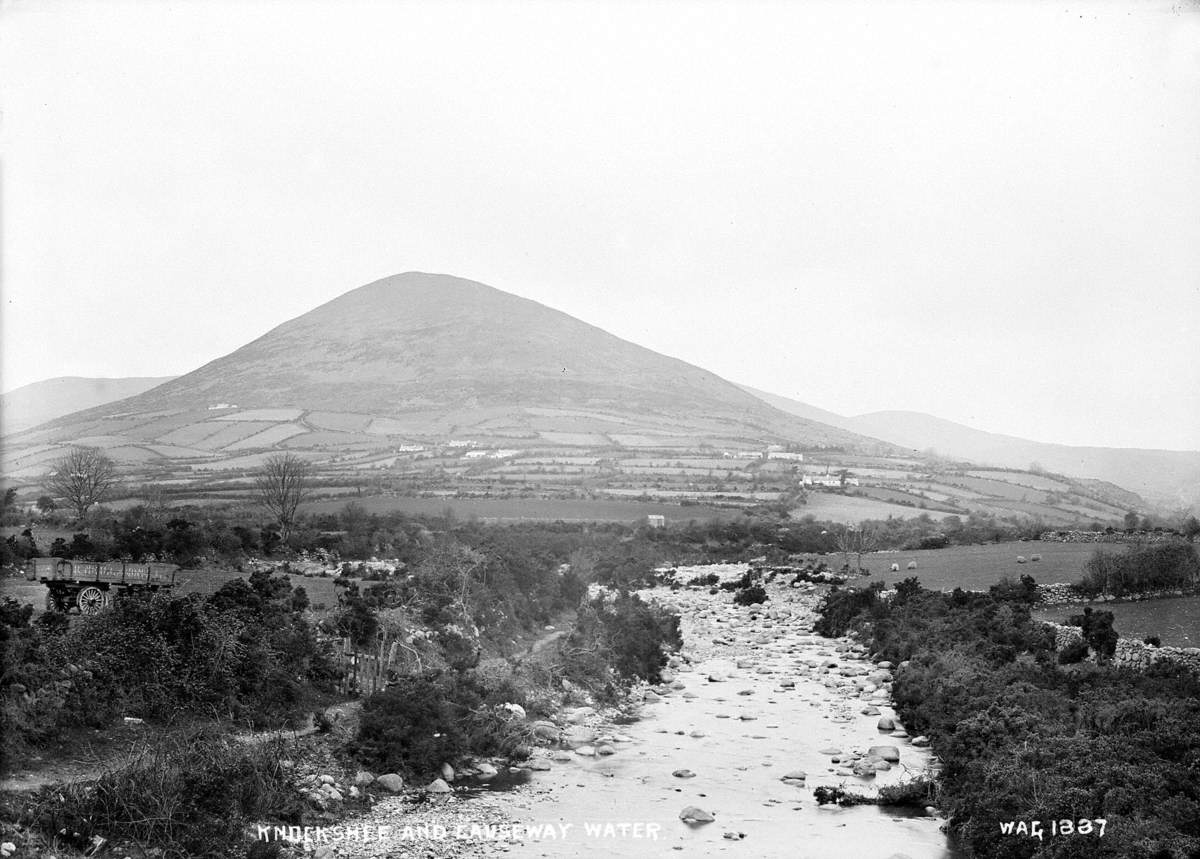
(891,754)
(692,814)
(886,724)
(683,774)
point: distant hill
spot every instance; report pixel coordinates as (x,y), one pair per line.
(39,402)
(426,358)
(1168,477)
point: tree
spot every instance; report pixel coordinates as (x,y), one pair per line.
(83,477)
(857,542)
(10,497)
(282,485)
(46,504)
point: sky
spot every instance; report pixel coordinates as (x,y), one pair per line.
(989,212)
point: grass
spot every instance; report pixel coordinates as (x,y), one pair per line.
(191,795)
(524,509)
(980,567)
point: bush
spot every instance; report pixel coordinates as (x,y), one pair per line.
(1161,566)
(753,595)
(425,720)
(613,645)
(191,796)
(1074,652)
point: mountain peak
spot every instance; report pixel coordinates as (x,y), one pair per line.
(432,353)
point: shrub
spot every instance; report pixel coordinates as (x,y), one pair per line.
(613,645)
(1160,566)
(752,595)
(191,796)
(1074,652)
(424,720)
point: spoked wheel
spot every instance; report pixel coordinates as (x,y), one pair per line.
(91,600)
(55,602)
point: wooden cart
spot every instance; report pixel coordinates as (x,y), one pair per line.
(89,586)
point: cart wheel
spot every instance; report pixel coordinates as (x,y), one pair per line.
(91,600)
(55,602)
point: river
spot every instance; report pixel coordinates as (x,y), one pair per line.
(739,736)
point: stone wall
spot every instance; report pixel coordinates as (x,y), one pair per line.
(1058,593)
(1131,653)
(1109,536)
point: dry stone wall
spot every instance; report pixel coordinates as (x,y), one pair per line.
(1131,653)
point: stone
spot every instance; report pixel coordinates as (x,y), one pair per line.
(891,754)
(580,715)
(544,730)
(326,779)
(438,786)
(539,765)
(561,757)
(447,772)
(830,750)
(578,736)
(886,724)
(683,774)
(586,751)
(692,814)
(921,741)
(391,782)
(605,750)
(333,794)
(794,775)
(870,710)
(486,770)
(362,778)
(651,697)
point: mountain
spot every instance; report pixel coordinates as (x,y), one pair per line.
(1169,477)
(427,358)
(39,402)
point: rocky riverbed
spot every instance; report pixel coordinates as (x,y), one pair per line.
(754,714)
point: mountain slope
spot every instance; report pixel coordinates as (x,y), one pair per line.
(427,358)
(39,402)
(1168,476)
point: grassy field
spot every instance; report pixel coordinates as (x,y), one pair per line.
(851,509)
(525,509)
(1176,620)
(979,567)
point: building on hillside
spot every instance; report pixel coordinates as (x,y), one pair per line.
(656,521)
(830,480)
(785,455)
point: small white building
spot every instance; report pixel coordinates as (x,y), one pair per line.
(656,521)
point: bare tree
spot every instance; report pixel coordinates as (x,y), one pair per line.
(282,485)
(857,542)
(83,477)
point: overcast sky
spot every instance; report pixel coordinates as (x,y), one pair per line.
(985,211)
